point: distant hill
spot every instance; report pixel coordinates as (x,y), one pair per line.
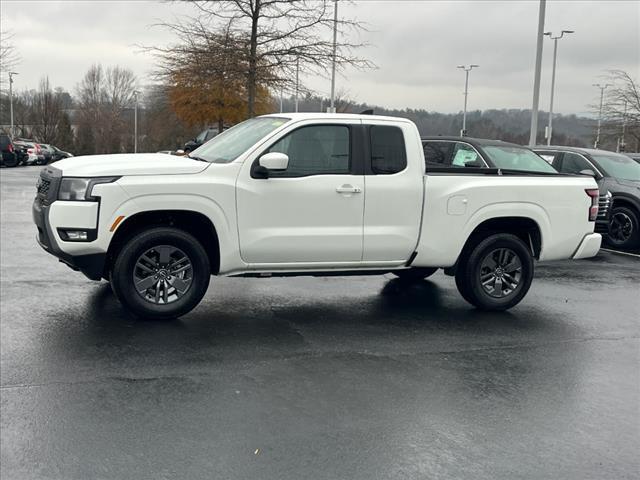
(509,125)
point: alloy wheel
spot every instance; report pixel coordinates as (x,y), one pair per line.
(163,274)
(620,227)
(500,272)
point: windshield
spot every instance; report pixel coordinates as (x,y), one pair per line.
(618,166)
(232,143)
(516,158)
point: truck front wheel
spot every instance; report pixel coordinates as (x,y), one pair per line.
(496,273)
(161,273)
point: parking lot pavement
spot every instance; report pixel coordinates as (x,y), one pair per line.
(341,378)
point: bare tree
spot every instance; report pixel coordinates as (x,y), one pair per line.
(622,107)
(103,97)
(274,35)
(9,57)
(46,113)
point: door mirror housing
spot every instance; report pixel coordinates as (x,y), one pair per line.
(274,161)
(474,164)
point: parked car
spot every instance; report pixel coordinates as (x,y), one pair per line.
(47,151)
(9,156)
(456,152)
(634,156)
(203,137)
(307,194)
(29,152)
(60,154)
(618,176)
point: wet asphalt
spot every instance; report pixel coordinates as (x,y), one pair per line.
(319,378)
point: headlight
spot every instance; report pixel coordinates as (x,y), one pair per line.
(74,188)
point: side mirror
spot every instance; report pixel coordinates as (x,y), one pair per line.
(275,161)
(589,172)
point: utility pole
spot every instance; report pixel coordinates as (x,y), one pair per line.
(332,107)
(11,74)
(297,80)
(533,135)
(622,146)
(281,99)
(135,122)
(602,89)
(553,79)
(463,132)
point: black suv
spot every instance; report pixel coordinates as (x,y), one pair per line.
(203,137)
(618,178)
(9,156)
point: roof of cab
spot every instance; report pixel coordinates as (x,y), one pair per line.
(337,116)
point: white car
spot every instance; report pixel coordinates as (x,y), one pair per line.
(307,194)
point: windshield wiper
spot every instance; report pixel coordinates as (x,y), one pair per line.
(200,159)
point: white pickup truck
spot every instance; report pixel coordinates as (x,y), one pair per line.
(308,194)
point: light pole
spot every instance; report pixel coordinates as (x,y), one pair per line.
(135,122)
(533,134)
(11,74)
(622,146)
(463,132)
(297,80)
(553,78)
(332,107)
(281,99)
(602,89)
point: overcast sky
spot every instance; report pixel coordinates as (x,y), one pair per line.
(415,44)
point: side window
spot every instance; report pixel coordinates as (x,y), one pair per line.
(315,150)
(463,154)
(549,157)
(437,154)
(200,138)
(574,163)
(388,152)
(210,134)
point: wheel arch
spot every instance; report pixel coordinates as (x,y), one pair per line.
(525,228)
(195,223)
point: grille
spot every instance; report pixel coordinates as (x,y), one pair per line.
(603,207)
(43,187)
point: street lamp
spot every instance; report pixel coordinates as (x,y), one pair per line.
(602,89)
(297,82)
(135,122)
(332,107)
(11,74)
(553,79)
(466,69)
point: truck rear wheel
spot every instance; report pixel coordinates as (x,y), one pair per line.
(496,273)
(415,274)
(161,273)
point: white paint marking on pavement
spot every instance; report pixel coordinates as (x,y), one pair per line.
(620,253)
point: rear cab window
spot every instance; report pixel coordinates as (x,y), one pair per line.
(388,151)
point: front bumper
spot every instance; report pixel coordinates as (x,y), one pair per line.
(589,246)
(91,265)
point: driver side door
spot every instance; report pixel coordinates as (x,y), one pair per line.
(312,212)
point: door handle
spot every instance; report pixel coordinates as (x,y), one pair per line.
(346,188)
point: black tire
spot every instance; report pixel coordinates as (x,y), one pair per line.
(11,162)
(624,228)
(415,274)
(196,279)
(478,260)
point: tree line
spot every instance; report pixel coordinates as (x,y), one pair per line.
(232,61)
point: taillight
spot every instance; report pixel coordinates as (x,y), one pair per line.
(29,150)
(594,193)
(10,148)
(38,149)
